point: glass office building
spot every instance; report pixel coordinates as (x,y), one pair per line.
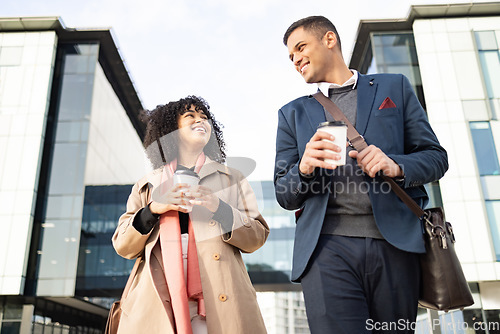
(68,124)
(451,55)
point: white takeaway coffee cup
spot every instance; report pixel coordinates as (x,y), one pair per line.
(188,177)
(339,130)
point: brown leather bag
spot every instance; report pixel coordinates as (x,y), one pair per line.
(115,312)
(444,286)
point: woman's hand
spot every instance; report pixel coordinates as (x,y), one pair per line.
(172,199)
(203,196)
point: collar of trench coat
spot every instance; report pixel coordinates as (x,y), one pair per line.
(209,167)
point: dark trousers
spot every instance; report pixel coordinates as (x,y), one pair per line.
(360,285)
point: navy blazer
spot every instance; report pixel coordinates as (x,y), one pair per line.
(402,132)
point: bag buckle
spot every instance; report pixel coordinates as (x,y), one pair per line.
(450,230)
(438,231)
(358,138)
(426,217)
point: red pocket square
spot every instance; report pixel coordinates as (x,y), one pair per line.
(387,104)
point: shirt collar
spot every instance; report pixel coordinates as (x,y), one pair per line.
(325,86)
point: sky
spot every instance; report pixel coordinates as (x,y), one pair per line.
(229,52)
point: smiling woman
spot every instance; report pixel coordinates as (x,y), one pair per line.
(189,238)
(163,130)
(194,133)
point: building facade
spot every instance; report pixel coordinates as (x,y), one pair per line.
(68,121)
(451,55)
(284,312)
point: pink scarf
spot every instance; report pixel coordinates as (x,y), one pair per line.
(171,251)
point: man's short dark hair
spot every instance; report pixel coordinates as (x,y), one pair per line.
(318,25)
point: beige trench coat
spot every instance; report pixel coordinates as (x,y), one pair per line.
(230,298)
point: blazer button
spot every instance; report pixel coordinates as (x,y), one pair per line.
(222,297)
(216,256)
(211,223)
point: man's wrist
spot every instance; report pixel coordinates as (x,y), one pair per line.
(306,176)
(400,179)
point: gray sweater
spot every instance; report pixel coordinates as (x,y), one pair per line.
(349,211)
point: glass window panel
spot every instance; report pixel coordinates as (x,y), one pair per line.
(434,192)
(91,64)
(91,261)
(106,261)
(68,131)
(59,207)
(402,69)
(486,40)
(413,55)
(83,49)
(11,328)
(393,39)
(76,64)
(84,127)
(372,68)
(58,246)
(379,56)
(77,206)
(377,40)
(12,312)
(493,210)
(63,173)
(417,79)
(495,108)
(387,39)
(80,166)
(490,62)
(404,39)
(484,147)
(76,96)
(397,55)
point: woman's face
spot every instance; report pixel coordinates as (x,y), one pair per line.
(194,129)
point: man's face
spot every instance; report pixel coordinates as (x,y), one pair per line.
(311,57)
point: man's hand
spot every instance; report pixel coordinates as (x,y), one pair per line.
(316,151)
(372,160)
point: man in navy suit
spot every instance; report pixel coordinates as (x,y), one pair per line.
(356,244)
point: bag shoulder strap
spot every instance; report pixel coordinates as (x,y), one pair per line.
(355,139)
(358,142)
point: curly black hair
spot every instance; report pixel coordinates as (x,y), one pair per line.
(161,140)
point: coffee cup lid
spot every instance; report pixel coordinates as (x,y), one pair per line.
(187,172)
(332,123)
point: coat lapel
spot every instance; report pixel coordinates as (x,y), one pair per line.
(153,179)
(367,87)
(210,167)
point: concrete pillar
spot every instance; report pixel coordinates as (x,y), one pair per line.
(27,319)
